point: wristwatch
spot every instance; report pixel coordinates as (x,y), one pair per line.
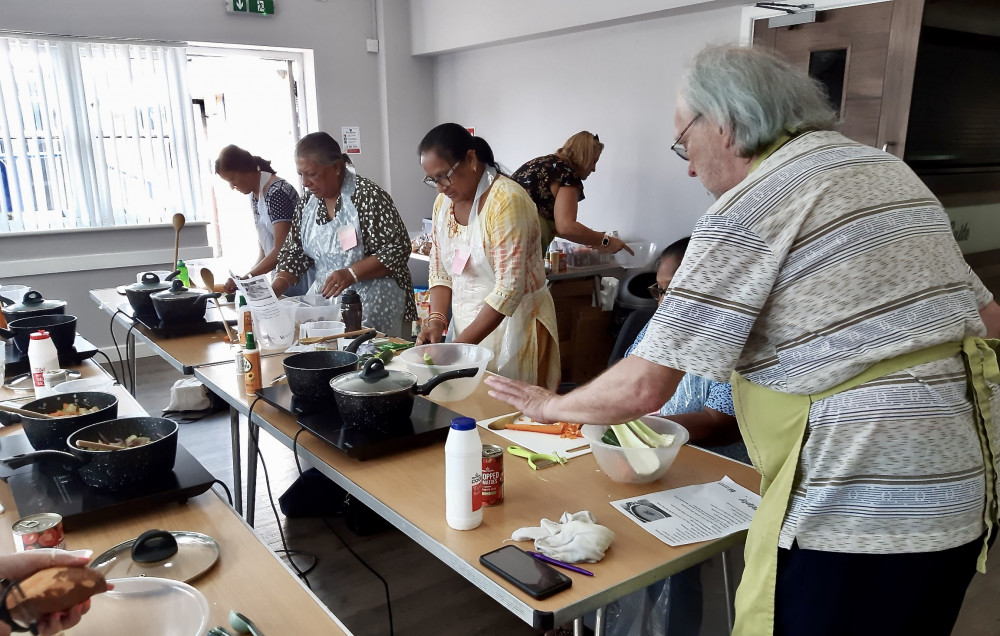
(606,240)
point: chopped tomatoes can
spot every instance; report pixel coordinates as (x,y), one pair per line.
(492,475)
(42,530)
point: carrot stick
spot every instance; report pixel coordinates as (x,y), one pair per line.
(551,429)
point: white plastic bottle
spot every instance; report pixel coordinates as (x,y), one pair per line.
(42,357)
(463,470)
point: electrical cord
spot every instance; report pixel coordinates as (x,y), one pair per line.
(255,434)
(110,366)
(229,495)
(385,584)
(118,350)
(131,370)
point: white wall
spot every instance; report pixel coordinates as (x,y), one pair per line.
(526,98)
(449,25)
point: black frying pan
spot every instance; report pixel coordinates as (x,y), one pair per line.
(51,434)
(116,470)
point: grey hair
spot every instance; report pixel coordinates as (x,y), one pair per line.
(755,96)
(321,148)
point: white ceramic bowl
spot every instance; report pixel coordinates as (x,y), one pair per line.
(146,605)
(448,356)
(645,253)
(97,383)
(636,465)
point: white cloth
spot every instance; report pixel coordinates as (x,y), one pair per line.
(575,538)
(188,394)
(265,227)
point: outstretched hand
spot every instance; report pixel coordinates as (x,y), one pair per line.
(531,400)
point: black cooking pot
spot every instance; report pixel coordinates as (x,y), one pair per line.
(309,373)
(32,305)
(139,294)
(62,329)
(376,397)
(52,433)
(180,304)
(116,470)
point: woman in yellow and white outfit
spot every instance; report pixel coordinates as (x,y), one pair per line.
(486,262)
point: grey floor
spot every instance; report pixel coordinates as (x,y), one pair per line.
(427,597)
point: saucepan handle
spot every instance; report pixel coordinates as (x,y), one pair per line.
(430,385)
(17,461)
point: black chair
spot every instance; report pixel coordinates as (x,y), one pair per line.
(629,332)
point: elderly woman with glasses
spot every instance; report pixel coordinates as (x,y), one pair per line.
(555,183)
(348,228)
(826,284)
(486,260)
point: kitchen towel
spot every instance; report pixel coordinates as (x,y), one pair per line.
(575,538)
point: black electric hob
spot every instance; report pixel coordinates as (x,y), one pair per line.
(428,423)
(49,487)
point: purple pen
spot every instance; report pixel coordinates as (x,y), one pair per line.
(558,563)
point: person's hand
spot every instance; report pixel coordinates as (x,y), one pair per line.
(21,565)
(614,246)
(336,283)
(431,333)
(531,400)
(230,286)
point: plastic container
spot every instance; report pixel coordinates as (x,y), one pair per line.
(447,356)
(350,303)
(321,328)
(463,470)
(183,276)
(42,357)
(101,383)
(628,465)
(645,253)
(14,292)
(146,605)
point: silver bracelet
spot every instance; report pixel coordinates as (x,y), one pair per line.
(351,270)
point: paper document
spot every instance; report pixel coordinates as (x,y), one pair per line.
(694,513)
(266,309)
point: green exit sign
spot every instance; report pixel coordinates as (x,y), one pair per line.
(260,7)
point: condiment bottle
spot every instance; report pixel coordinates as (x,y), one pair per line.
(42,357)
(350,308)
(251,366)
(183,276)
(463,475)
(245,322)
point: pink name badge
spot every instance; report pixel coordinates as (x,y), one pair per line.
(348,238)
(460,260)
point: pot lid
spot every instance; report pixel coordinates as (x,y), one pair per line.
(151,283)
(373,379)
(176,291)
(33,302)
(195,554)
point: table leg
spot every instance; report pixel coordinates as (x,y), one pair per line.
(251,473)
(578,627)
(234,427)
(726,582)
(599,622)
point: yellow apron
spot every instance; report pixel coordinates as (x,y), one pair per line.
(773,425)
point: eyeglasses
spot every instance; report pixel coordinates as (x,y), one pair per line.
(677,146)
(656,292)
(444,180)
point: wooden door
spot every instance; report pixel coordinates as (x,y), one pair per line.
(865,55)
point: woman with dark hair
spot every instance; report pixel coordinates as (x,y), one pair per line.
(272,200)
(349,229)
(555,183)
(486,260)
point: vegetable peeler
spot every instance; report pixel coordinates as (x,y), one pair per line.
(537,461)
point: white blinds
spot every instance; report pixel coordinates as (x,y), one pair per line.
(94,134)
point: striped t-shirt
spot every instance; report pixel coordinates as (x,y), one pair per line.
(829,257)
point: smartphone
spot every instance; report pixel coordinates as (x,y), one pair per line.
(538,579)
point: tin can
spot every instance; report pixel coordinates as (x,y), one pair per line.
(54,377)
(42,530)
(492,475)
(557,261)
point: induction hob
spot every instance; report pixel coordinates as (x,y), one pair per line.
(49,487)
(428,423)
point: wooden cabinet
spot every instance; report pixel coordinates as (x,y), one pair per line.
(867,56)
(585,339)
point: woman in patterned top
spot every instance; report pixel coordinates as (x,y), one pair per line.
(272,200)
(348,228)
(555,184)
(486,260)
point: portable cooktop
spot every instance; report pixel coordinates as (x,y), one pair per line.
(48,487)
(177,329)
(428,423)
(17,362)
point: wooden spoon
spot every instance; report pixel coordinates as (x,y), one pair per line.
(337,336)
(26,413)
(178,222)
(208,280)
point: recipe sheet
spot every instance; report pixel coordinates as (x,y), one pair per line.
(694,513)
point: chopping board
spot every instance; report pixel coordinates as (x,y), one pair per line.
(541,442)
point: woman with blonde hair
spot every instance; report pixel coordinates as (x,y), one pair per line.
(555,183)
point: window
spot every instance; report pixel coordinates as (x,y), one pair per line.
(94,133)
